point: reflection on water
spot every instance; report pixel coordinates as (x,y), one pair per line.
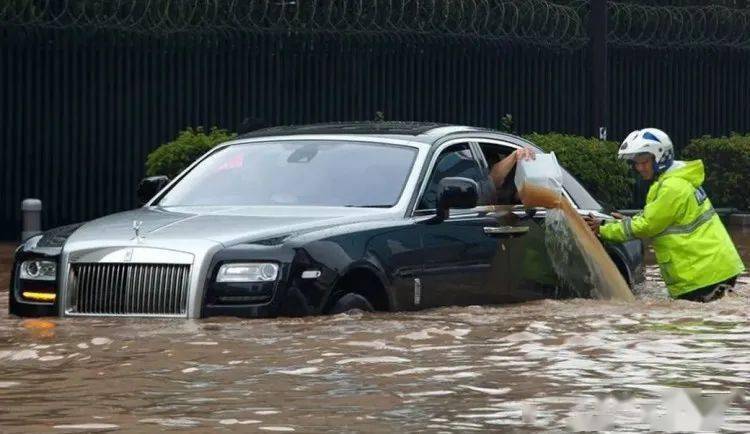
(542,365)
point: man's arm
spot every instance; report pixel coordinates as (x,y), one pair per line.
(502,168)
(670,204)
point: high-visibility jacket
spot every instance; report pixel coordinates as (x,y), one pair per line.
(692,246)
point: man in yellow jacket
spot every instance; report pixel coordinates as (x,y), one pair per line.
(696,256)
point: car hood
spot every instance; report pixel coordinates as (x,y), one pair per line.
(225,225)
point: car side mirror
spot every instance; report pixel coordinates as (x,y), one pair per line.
(148,187)
(455,192)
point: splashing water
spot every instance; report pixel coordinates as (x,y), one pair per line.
(566,260)
(566,236)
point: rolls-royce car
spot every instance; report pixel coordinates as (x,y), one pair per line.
(315,219)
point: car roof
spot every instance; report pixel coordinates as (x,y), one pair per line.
(425,132)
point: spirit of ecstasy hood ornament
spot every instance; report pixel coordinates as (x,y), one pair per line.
(137,228)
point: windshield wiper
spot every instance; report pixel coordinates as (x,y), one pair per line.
(368,206)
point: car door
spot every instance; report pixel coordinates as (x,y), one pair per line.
(465,256)
(533,275)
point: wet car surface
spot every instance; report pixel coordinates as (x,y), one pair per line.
(530,366)
(316,219)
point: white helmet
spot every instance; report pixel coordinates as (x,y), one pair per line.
(649,140)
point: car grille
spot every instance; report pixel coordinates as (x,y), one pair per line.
(128,289)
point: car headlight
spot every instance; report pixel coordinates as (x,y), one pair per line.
(38,269)
(248,272)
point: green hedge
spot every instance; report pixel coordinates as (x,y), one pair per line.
(594,162)
(172,157)
(727,163)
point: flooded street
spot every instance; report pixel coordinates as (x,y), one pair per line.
(546,365)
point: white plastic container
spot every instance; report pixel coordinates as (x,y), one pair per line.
(543,171)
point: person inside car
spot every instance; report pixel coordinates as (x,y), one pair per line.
(502,173)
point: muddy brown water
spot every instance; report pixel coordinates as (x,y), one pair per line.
(547,365)
(606,280)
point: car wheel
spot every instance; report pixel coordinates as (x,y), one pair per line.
(351,301)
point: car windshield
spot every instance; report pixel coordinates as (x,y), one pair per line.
(304,172)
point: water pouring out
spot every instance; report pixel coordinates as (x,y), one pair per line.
(540,187)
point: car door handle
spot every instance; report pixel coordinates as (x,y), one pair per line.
(506,231)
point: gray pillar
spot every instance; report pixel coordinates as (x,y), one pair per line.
(32,218)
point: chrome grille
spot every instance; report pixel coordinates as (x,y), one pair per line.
(128,289)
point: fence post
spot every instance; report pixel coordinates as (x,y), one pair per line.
(32,218)
(599,92)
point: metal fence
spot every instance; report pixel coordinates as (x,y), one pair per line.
(86,93)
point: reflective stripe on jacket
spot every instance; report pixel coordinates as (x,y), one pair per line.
(692,246)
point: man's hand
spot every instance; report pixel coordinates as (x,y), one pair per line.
(502,168)
(617,215)
(593,222)
(524,154)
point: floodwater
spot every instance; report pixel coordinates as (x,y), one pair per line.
(549,365)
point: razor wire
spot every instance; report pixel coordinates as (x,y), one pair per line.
(533,21)
(551,23)
(709,26)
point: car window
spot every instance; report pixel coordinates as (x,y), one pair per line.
(506,194)
(494,152)
(579,194)
(455,161)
